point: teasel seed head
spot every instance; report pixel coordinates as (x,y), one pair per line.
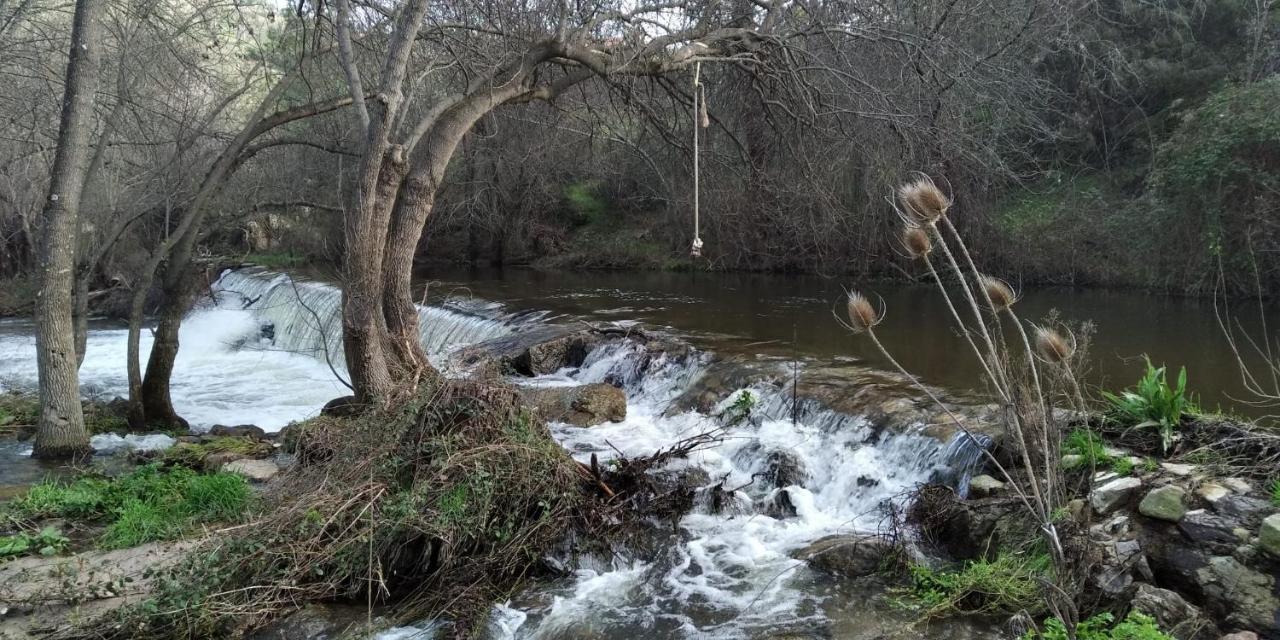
(923,200)
(999,292)
(862,314)
(916,241)
(1052,346)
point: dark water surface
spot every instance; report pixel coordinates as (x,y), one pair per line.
(782,315)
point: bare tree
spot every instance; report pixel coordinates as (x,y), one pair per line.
(61,432)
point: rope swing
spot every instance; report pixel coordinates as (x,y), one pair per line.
(700,121)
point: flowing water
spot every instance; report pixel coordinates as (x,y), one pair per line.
(266,350)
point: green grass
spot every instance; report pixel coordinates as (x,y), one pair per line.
(1134,627)
(150,504)
(1152,403)
(1274,490)
(192,455)
(1089,446)
(276,260)
(999,587)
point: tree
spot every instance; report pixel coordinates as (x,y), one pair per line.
(61,432)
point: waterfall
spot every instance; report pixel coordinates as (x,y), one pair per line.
(306,317)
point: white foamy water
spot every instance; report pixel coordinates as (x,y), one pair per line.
(257,356)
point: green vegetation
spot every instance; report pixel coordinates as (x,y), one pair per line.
(1274,490)
(584,204)
(741,407)
(48,541)
(150,504)
(18,409)
(1136,626)
(190,454)
(1088,445)
(1000,587)
(1154,404)
(276,260)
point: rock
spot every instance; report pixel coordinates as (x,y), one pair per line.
(215,461)
(1208,531)
(315,622)
(341,407)
(1211,492)
(851,556)
(555,354)
(1077,508)
(1113,494)
(1240,635)
(1269,535)
(1237,485)
(1072,461)
(1122,562)
(583,405)
(1175,469)
(250,431)
(1243,511)
(778,505)
(984,485)
(1164,503)
(254,470)
(1171,612)
(1248,597)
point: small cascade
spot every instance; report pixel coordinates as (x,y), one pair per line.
(306,317)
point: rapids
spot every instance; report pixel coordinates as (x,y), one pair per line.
(266,350)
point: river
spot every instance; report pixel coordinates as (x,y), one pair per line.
(259,356)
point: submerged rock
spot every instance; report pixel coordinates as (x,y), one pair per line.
(582,405)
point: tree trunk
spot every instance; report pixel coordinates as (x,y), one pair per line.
(157,403)
(61,432)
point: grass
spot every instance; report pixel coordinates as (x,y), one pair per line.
(1274,491)
(1136,626)
(1152,403)
(276,260)
(150,504)
(192,455)
(1001,587)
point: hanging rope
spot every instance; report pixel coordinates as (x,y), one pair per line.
(700,120)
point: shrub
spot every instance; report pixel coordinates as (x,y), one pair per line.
(1153,403)
(1134,627)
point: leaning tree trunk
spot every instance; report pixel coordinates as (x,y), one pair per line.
(61,432)
(177,289)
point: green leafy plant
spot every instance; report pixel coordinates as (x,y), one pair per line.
(1152,403)
(1274,490)
(1089,446)
(1135,626)
(741,407)
(48,541)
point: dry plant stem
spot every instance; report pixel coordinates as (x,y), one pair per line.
(973,268)
(964,329)
(1000,382)
(959,424)
(1045,420)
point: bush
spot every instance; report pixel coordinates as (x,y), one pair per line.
(1153,403)
(1134,627)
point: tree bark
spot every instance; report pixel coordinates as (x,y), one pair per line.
(178,290)
(61,432)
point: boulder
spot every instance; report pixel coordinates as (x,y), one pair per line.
(341,407)
(254,470)
(250,431)
(1175,469)
(984,485)
(1212,492)
(850,556)
(778,505)
(1164,503)
(1237,485)
(215,461)
(583,405)
(1243,511)
(555,354)
(1248,597)
(1240,635)
(1113,494)
(1171,612)
(1269,535)
(1208,531)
